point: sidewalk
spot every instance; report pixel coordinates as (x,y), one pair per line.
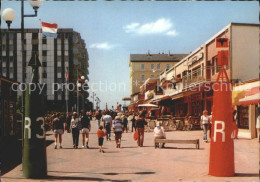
(178,162)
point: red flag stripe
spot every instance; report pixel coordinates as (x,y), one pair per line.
(49,25)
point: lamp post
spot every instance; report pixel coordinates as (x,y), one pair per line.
(9,16)
(93,97)
(97,103)
(83,81)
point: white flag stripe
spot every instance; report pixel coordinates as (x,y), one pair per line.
(50,30)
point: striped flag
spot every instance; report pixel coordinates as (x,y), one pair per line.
(49,29)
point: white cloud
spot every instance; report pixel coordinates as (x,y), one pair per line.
(160,26)
(172,33)
(103,45)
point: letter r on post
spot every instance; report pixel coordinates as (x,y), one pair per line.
(221,130)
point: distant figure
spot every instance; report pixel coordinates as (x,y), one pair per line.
(125,123)
(100,134)
(204,121)
(86,127)
(133,123)
(258,124)
(159,133)
(140,123)
(74,129)
(68,120)
(235,127)
(107,124)
(58,129)
(98,117)
(118,128)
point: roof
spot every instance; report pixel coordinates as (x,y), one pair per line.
(156,57)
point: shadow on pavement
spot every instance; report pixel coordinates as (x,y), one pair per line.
(128,147)
(71,178)
(246,175)
(11,156)
(182,148)
(113,174)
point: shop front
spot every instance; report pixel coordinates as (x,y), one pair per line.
(246,100)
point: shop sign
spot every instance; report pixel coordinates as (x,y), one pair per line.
(195,58)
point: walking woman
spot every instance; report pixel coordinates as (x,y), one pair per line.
(75,131)
(118,128)
(140,123)
(86,126)
(58,129)
(204,121)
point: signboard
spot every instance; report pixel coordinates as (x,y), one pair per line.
(221,42)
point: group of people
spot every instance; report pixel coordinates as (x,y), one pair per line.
(80,123)
(206,123)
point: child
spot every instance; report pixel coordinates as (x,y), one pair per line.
(100,135)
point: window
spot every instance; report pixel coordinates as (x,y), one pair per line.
(142,66)
(44,53)
(44,64)
(158,66)
(215,68)
(35,47)
(44,74)
(44,40)
(152,76)
(167,67)
(142,78)
(152,66)
(35,36)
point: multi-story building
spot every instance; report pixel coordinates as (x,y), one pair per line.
(144,66)
(67,52)
(188,86)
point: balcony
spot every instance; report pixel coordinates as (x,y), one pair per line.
(193,77)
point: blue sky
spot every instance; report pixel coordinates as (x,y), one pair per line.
(112,30)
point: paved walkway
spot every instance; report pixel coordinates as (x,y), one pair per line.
(178,162)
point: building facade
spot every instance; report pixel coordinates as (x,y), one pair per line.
(67,53)
(144,66)
(188,86)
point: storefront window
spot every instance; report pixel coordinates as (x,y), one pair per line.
(243,117)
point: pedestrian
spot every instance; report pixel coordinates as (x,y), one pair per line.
(74,128)
(107,125)
(133,123)
(100,134)
(140,123)
(204,121)
(258,124)
(118,128)
(58,129)
(210,124)
(159,133)
(98,117)
(68,120)
(125,123)
(86,127)
(235,127)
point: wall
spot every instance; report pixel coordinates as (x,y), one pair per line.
(245,52)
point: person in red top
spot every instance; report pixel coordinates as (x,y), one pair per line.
(100,134)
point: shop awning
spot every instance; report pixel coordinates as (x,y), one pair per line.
(252,99)
(177,96)
(147,105)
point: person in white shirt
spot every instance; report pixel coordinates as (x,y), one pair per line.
(107,124)
(204,122)
(159,133)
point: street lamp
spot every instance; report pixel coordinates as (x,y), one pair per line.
(9,16)
(79,84)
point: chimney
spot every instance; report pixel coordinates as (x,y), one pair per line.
(169,53)
(148,54)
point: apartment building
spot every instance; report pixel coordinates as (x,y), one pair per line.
(144,66)
(67,52)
